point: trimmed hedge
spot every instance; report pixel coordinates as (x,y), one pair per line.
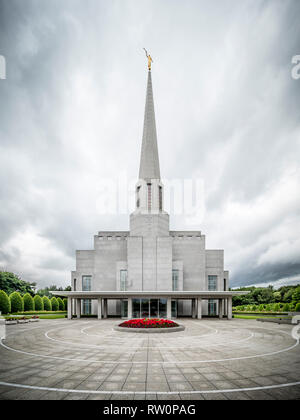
(54,304)
(16,301)
(28,302)
(61,305)
(65,300)
(4,303)
(298,307)
(47,304)
(38,303)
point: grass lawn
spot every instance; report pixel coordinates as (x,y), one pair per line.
(40,314)
(260,316)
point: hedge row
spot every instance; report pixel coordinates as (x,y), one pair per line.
(270,307)
(17,303)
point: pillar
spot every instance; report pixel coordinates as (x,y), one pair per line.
(229,307)
(105,308)
(199,314)
(99,308)
(220,308)
(78,307)
(129,308)
(193,308)
(69,307)
(169,308)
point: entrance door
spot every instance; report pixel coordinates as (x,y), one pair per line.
(145,308)
(154,308)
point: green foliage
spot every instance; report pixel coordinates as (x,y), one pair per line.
(65,300)
(296,295)
(4,303)
(10,282)
(276,307)
(16,301)
(54,304)
(297,307)
(61,305)
(286,307)
(277,296)
(47,303)
(38,303)
(28,302)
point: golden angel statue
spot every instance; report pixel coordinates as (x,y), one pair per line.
(149,59)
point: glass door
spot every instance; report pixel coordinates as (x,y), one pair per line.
(145,308)
(154,308)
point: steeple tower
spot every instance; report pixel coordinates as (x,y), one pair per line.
(149,163)
(149,189)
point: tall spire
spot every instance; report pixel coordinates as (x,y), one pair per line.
(149,164)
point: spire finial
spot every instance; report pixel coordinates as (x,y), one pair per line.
(149,59)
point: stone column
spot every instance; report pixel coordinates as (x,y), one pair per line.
(229,308)
(129,308)
(169,308)
(105,308)
(78,307)
(99,308)
(220,308)
(193,308)
(69,307)
(199,314)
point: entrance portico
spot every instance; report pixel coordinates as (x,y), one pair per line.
(151,304)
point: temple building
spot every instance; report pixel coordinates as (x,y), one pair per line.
(150,271)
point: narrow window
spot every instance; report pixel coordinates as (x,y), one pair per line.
(123,280)
(86,283)
(74,285)
(212,282)
(224,284)
(175,276)
(160,198)
(138,197)
(149,196)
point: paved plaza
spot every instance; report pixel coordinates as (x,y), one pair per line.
(210,359)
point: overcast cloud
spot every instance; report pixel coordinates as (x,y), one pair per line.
(227,111)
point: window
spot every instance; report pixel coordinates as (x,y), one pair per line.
(123,280)
(160,198)
(86,283)
(138,197)
(86,306)
(74,288)
(175,276)
(212,307)
(149,196)
(225,286)
(212,282)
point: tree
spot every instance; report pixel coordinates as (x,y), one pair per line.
(54,303)
(286,307)
(288,296)
(4,303)
(296,295)
(10,282)
(277,296)
(38,303)
(60,304)
(47,303)
(28,302)
(65,300)
(16,301)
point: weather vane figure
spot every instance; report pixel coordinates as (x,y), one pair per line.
(149,59)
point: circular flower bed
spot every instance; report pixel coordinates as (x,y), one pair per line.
(149,323)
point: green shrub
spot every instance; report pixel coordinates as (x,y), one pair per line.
(65,300)
(16,302)
(276,307)
(47,304)
(28,302)
(253,308)
(261,307)
(61,306)
(38,303)
(54,303)
(298,307)
(4,303)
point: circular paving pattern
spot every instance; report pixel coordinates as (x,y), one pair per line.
(89,359)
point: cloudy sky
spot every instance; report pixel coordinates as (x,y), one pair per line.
(227,111)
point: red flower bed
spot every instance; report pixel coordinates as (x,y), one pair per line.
(149,323)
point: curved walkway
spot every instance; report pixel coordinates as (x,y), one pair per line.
(210,359)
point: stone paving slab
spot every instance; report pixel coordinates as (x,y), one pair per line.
(239,359)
